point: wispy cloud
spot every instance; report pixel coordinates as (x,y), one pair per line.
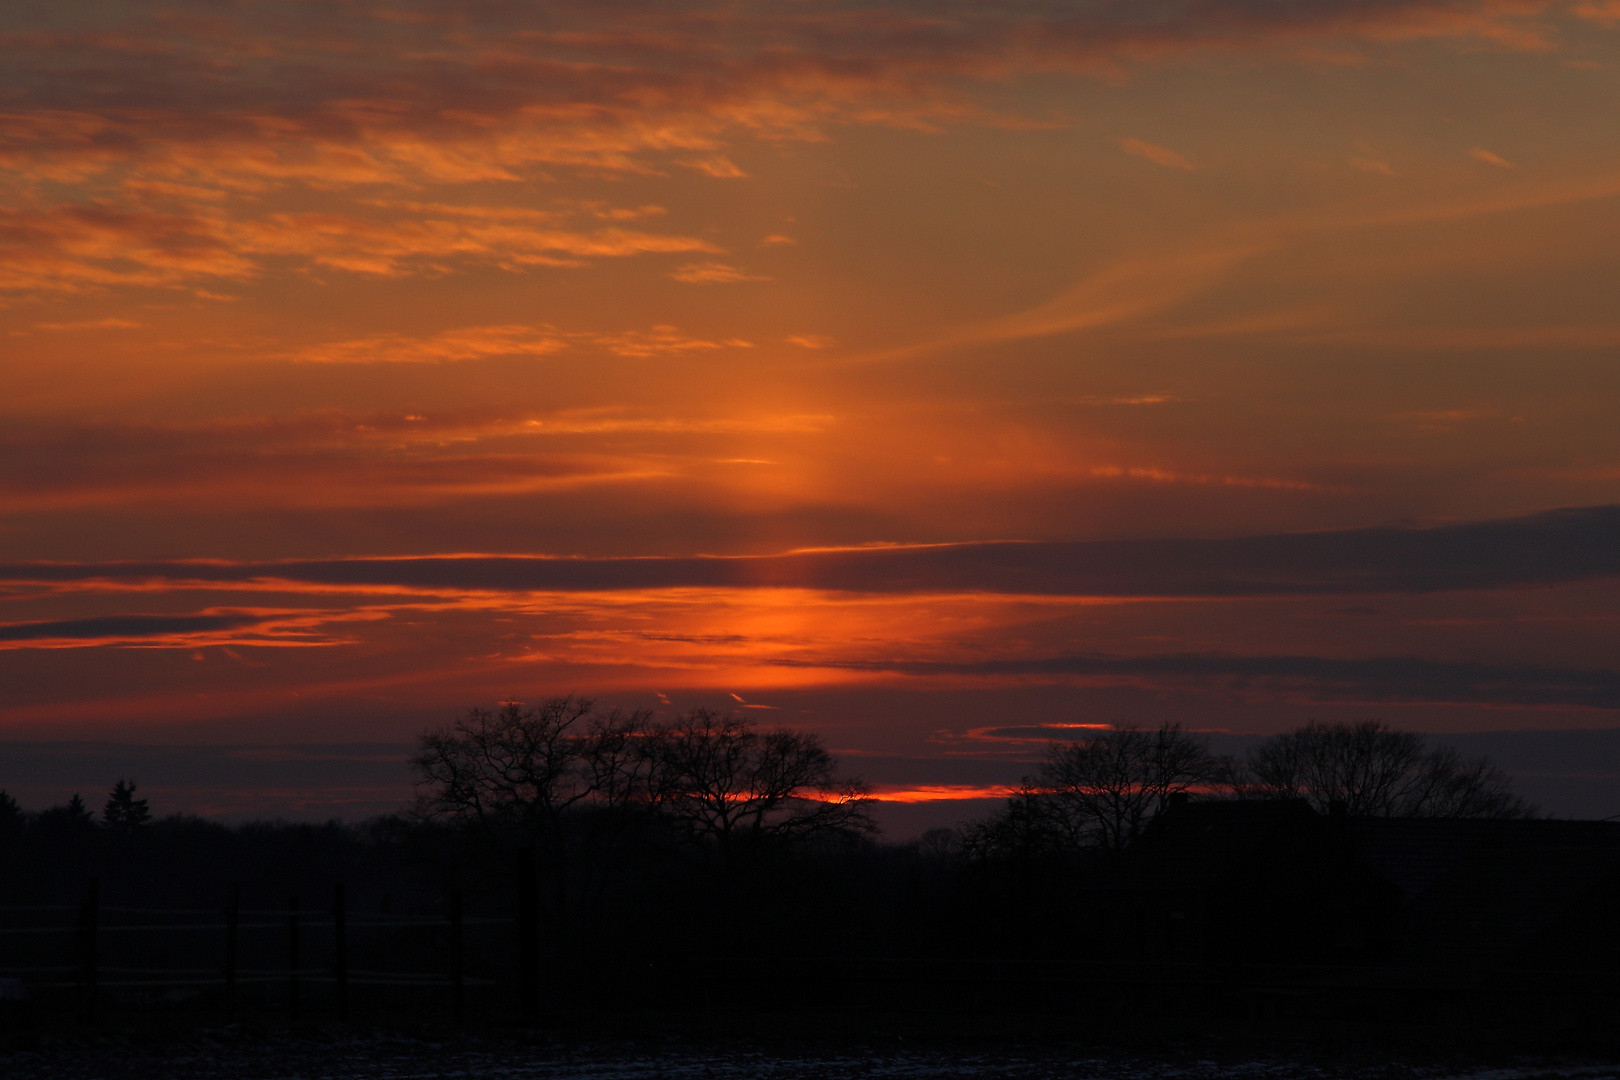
(483,342)
(469,343)
(1159,155)
(1489,158)
(1372,165)
(90,324)
(662,341)
(72,248)
(713,273)
(722,167)
(138,146)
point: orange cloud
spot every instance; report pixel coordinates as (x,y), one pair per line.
(378,98)
(1371,165)
(1491,159)
(721,167)
(941,792)
(662,341)
(1602,11)
(1156,154)
(71,248)
(713,273)
(91,324)
(481,342)
(167,136)
(470,343)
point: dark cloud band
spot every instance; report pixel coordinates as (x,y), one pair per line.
(124,627)
(1374,680)
(1544,549)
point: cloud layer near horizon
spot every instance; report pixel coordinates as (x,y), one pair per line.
(1556,547)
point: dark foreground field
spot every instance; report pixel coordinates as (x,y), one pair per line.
(244,1052)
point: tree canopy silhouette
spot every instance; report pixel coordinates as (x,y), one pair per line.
(522,770)
(124,812)
(1097,794)
(737,792)
(581,788)
(1375,771)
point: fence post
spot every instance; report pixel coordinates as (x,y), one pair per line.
(458,989)
(528,936)
(292,957)
(340,948)
(233,908)
(89,923)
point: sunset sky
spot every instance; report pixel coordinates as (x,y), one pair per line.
(928,374)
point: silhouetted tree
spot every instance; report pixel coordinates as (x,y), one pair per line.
(1375,771)
(558,778)
(12,817)
(65,827)
(526,768)
(1098,793)
(737,792)
(70,815)
(124,812)
(940,845)
(12,822)
(1105,788)
(1024,830)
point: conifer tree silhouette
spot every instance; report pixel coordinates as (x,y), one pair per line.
(124,812)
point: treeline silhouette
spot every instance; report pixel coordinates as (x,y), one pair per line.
(625,862)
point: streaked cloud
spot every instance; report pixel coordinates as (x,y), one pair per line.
(73,248)
(662,341)
(1372,165)
(1602,11)
(468,343)
(132,135)
(720,167)
(91,324)
(1159,155)
(1489,158)
(483,342)
(713,273)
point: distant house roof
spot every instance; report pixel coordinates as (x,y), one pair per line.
(1195,845)
(1488,908)
(1413,853)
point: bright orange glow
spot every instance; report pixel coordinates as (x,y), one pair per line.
(942,793)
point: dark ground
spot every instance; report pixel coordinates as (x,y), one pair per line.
(704,1049)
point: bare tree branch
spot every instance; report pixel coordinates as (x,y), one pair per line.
(1375,771)
(737,792)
